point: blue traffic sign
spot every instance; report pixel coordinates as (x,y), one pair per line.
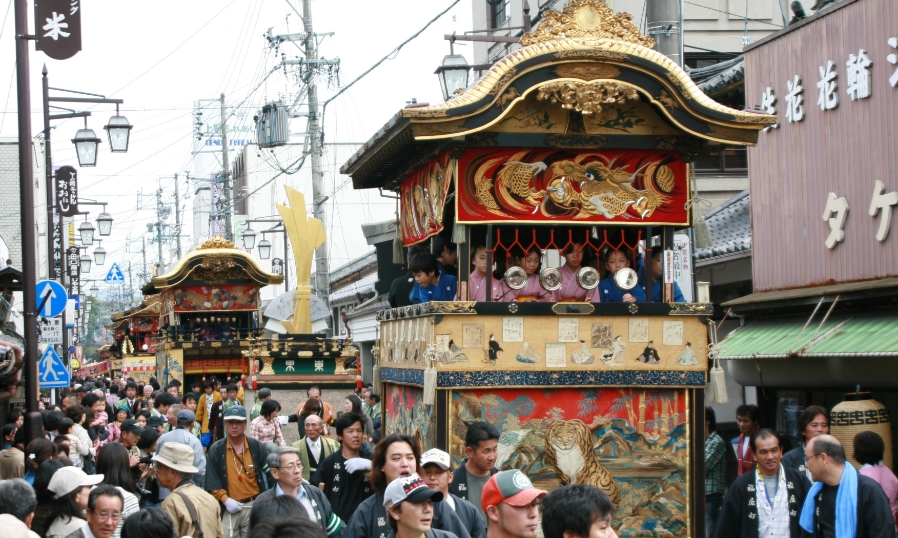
(52,373)
(115,275)
(51,298)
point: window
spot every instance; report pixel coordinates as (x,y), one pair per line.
(697,60)
(498,10)
(723,161)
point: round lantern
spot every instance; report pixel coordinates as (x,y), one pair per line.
(858,413)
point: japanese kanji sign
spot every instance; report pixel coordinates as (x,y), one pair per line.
(67,191)
(58,27)
(277,266)
(57,249)
(73,256)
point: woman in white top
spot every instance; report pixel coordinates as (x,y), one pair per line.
(72,488)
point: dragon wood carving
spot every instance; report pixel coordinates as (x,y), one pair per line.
(587,185)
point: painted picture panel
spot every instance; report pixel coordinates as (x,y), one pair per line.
(406,413)
(629,187)
(631,443)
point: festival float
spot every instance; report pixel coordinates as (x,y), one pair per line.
(583,137)
(210,319)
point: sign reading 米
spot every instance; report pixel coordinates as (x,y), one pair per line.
(58,27)
(67,191)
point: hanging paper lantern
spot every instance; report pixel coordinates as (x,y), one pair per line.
(859,413)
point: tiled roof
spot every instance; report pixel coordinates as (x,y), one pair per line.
(720,78)
(730,227)
(362,285)
(356,265)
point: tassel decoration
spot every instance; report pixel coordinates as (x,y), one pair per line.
(430,376)
(703,237)
(459,233)
(717,386)
(398,256)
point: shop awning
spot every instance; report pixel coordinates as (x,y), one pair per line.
(845,334)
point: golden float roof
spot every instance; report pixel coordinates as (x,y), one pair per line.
(579,59)
(217,260)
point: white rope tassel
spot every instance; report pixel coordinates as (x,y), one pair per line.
(717,385)
(430,376)
(459,233)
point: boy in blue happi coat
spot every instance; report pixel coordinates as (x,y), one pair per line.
(430,283)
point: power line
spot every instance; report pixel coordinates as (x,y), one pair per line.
(733,14)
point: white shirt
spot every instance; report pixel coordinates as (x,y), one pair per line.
(316,447)
(303,499)
(773,519)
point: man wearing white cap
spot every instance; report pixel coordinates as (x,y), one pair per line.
(436,474)
(188,505)
(409,504)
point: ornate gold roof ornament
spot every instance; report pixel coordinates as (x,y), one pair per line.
(216,242)
(589,19)
(586,97)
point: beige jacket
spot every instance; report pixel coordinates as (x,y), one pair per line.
(207,510)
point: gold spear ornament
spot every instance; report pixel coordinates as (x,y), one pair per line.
(306,235)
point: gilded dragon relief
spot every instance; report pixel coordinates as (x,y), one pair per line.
(567,185)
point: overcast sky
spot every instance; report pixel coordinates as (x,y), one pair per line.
(161,56)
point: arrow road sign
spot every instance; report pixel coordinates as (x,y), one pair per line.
(52,373)
(115,275)
(51,298)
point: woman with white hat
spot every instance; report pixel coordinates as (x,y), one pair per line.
(72,488)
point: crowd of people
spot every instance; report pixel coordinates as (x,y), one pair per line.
(808,491)
(116,459)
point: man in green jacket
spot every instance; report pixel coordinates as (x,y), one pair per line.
(236,472)
(314,447)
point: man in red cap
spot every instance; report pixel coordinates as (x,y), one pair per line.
(509,500)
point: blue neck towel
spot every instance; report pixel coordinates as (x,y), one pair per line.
(846,505)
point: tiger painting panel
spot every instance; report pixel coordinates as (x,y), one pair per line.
(631,443)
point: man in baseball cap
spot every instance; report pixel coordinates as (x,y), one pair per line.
(436,474)
(182,434)
(509,500)
(236,469)
(409,506)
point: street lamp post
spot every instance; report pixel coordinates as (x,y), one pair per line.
(249,241)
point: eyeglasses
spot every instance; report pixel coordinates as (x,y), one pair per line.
(106,516)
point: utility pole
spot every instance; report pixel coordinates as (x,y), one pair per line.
(130,282)
(33,419)
(159,226)
(225,171)
(177,217)
(311,48)
(144,251)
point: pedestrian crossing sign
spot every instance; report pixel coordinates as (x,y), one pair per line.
(115,276)
(52,373)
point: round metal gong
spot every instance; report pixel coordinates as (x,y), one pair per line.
(550,278)
(626,278)
(515,278)
(588,278)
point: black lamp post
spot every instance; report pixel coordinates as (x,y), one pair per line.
(249,238)
(86,146)
(100,255)
(119,131)
(264,248)
(453,74)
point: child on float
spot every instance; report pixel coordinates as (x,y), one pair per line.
(570,291)
(533,291)
(615,260)
(430,284)
(477,279)
(657,258)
